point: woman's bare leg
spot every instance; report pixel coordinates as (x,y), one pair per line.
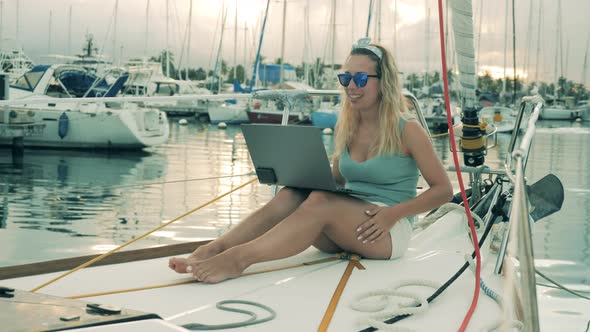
(322,214)
(256,224)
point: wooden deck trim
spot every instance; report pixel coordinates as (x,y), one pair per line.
(17,271)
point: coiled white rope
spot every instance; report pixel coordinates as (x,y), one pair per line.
(443,210)
(389,302)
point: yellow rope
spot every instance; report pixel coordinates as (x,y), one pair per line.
(92,261)
(192,281)
(482,125)
(439,135)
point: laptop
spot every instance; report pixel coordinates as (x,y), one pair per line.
(291,156)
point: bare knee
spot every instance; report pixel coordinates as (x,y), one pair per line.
(292,194)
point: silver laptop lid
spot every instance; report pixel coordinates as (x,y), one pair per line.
(289,155)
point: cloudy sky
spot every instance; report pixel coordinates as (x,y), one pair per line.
(43,27)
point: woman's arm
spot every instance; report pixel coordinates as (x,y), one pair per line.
(440,191)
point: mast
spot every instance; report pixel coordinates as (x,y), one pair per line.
(333,33)
(504,81)
(585,67)
(555,79)
(167,52)
(190,27)
(395,29)
(369,18)
(427,50)
(235,41)
(1,22)
(147,30)
(351,22)
(306,47)
(282,71)
(244,62)
(115,32)
(49,34)
(253,80)
(538,42)
(529,42)
(18,25)
(70,31)
(218,57)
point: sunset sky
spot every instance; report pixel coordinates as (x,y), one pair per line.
(417,38)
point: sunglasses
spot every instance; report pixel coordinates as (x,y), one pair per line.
(360,79)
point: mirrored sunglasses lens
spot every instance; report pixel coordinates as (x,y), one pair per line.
(360,80)
(344,79)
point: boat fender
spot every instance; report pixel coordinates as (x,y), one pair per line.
(62,126)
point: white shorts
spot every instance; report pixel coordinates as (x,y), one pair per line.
(401,233)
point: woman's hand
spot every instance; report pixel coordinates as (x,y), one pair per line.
(377,226)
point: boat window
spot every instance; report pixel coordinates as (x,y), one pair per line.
(55,89)
(165,89)
(28,81)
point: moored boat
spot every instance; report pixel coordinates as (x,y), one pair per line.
(65,124)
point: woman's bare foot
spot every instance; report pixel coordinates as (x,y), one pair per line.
(179,264)
(226,265)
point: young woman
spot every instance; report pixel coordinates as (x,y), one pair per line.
(378,150)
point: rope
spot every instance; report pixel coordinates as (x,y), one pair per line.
(92,261)
(456,162)
(251,321)
(352,263)
(386,306)
(440,212)
(562,286)
(439,135)
(192,281)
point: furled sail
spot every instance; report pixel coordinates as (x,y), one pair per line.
(463,31)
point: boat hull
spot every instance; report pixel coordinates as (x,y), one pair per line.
(259,116)
(324,119)
(95,126)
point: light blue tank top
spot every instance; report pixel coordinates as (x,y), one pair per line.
(390,179)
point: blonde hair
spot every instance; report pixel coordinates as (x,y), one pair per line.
(391,108)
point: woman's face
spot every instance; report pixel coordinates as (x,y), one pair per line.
(367,97)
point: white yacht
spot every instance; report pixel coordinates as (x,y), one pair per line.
(64,124)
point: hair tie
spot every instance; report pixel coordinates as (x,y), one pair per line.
(364,43)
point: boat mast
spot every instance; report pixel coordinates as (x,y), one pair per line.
(395,29)
(504,81)
(306,46)
(1,23)
(282,69)
(18,25)
(427,46)
(529,42)
(147,24)
(235,41)
(333,35)
(70,31)
(49,34)
(585,67)
(538,42)
(188,46)
(167,52)
(369,18)
(115,33)
(257,59)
